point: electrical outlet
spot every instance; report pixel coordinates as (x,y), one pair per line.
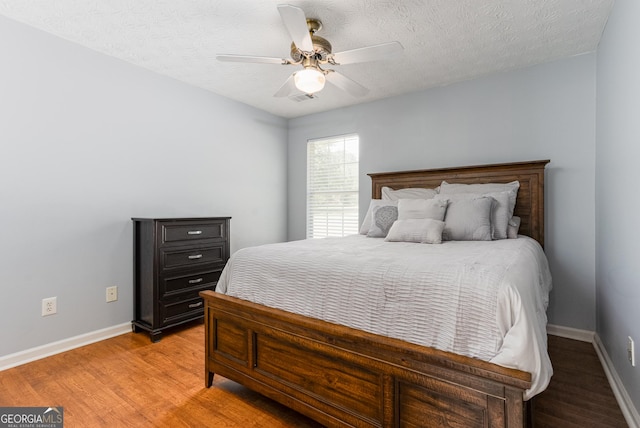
(631,352)
(112,294)
(49,306)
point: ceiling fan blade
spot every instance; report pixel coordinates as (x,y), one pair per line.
(287,88)
(246,58)
(346,84)
(369,53)
(296,23)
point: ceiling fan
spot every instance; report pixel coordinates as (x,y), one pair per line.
(311,52)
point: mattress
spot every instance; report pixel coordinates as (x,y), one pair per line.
(485,300)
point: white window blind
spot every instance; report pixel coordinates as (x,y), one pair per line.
(332,186)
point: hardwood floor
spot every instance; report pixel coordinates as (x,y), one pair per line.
(128,381)
(579,394)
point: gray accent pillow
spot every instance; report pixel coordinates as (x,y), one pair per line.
(423,230)
(513,228)
(366,222)
(422,208)
(501,214)
(468,219)
(382,218)
(505,195)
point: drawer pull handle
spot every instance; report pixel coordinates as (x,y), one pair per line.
(194,232)
(195,256)
(195,305)
(196,281)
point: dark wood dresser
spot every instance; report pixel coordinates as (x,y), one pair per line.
(173,260)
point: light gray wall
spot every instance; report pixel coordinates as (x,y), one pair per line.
(617,195)
(542,112)
(87,142)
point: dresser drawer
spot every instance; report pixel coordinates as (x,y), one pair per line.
(185,257)
(178,309)
(180,284)
(192,231)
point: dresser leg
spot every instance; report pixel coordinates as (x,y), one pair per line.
(155,336)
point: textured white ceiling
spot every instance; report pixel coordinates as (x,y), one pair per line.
(444,41)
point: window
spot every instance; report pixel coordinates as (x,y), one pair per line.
(332,186)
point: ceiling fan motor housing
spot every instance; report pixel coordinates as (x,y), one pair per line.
(321,46)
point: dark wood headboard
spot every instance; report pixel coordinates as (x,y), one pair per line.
(530,201)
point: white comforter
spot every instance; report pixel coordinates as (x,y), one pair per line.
(485,300)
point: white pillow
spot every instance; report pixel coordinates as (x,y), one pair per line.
(513,228)
(424,230)
(481,188)
(366,223)
(422,208)
(382,218)
(411,193)
(468,219)
(504,193)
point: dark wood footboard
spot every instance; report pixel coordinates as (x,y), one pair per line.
(340,376)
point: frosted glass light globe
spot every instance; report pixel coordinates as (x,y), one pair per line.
(309,80)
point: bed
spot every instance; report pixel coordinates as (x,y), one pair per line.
(345,376)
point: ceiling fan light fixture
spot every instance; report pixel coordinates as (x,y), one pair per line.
(309,80)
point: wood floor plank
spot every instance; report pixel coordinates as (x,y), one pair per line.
(129,381)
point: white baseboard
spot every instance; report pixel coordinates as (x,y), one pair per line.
(23,357)
(626,405)
(571,333)
(624,401)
